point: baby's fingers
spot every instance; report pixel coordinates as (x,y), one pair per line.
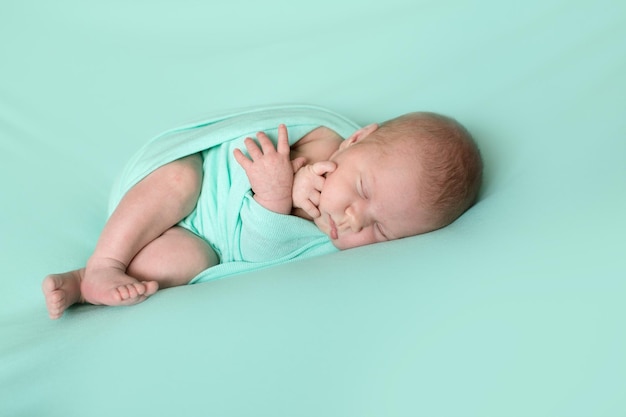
(310,209)
(266,144)
(298,163)
(283,140)
(324,167)
(253,149)
(242,159)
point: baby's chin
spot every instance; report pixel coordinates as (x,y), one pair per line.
(342,244)
(350,241)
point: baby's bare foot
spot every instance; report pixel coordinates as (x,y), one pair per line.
(106,282)
(61,291)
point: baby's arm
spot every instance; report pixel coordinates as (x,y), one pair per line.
(270,171)
(307,186)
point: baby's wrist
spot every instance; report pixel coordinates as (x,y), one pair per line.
(282,205)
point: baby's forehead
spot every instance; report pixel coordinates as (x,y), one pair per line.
(400,163)
(397,151)
(403,163)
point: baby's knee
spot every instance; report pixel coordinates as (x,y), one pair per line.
(185,176)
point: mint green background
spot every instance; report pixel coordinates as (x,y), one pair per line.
(517,309)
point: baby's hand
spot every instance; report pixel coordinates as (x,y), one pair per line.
(307,186)
(269,170)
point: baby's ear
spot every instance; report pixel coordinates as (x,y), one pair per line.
(359,135)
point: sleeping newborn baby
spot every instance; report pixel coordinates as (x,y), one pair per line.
(306,193)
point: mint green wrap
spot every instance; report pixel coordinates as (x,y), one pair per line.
(244,235)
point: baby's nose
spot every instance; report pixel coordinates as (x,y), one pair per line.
(355,220)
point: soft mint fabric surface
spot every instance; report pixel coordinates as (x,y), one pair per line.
(245,236)
(516,309)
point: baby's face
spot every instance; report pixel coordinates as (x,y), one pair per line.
(370,197)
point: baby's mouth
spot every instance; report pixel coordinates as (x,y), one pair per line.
(333,228)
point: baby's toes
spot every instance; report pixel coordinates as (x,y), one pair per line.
(55,301)
(125,292)
(140,289)
(56,297)
(56,304)
(55,313)
(132,291)
(150,287)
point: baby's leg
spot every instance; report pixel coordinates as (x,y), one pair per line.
(172,259)
(150,208)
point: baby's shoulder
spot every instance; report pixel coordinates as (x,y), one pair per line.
(317,145)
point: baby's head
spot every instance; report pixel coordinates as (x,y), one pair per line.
(410,175)
(447,161)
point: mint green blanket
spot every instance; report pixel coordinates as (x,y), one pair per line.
(245,235)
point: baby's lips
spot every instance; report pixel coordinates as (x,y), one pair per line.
(333,228)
